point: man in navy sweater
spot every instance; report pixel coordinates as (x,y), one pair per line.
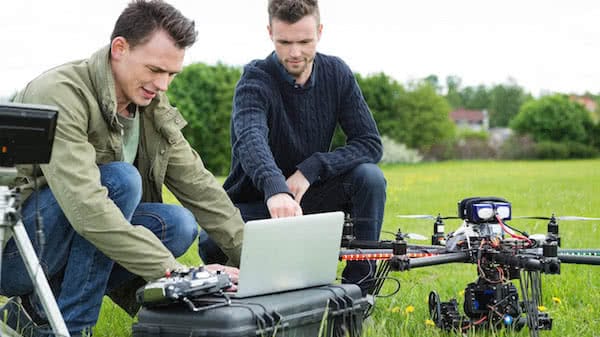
(286,108)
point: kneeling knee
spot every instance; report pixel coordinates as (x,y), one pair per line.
(122,178)
(370,175)
(187,231)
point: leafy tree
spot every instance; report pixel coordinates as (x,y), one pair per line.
(475,98)
(505,102)
(204,95)
(425,117)
(382,95)
(434,81)
(453,94)
(417,118)
(553,118)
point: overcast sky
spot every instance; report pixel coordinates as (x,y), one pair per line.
(545,46)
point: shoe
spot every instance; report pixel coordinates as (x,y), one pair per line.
(124,296)
(13,314)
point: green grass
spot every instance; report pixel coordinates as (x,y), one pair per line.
(534,188)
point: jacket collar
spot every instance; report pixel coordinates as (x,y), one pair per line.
(104,83)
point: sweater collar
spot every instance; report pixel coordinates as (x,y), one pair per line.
(289,78)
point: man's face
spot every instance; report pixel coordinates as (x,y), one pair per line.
(145,70)
(296,44)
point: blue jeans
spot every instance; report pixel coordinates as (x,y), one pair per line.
(78,272)
(361,192)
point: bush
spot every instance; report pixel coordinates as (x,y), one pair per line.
(518,147)
(551,150)
(467,144)
(554,119)
(474,148)
(441,151)
(204,96)
(523,147)
(468,134)
(578,150)
(394,152)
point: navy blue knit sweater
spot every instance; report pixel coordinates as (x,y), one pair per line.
(278,127)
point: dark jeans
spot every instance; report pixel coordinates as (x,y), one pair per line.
(360,192)
(78,272)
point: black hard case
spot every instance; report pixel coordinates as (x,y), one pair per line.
(328,311)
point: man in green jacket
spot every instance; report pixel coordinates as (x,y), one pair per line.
(118,141)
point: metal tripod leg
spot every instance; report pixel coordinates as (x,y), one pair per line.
(39,280)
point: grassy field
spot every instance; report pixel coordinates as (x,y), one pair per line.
(534,188)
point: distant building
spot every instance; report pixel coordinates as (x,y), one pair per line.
(587,102)
(476,120)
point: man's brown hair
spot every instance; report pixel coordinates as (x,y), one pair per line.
(291,11)
(141,18)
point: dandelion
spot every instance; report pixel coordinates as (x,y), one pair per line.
(556,300)
(407,312)
(395,309)
(429,322)
(461,293)
(542,308)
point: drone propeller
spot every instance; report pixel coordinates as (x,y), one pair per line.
(426,216)
(416,216)
(359,219)
(564,217)
(412,236)
(415,236)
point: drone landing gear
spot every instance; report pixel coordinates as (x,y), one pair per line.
(486,306)
(445,315)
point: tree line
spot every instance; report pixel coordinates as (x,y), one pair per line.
(414,115)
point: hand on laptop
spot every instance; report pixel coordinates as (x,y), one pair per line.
(298,184)
(234,273)
(282,205)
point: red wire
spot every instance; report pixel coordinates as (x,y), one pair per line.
(510,232)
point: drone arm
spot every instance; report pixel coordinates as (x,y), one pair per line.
(366,244)
(440,259)
(543,264)
(574,259)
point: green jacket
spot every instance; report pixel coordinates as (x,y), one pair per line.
(88,134)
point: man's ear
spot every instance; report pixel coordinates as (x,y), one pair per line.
(118,47)
(319,31)
(270,30)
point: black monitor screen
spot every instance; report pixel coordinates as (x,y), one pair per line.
(26,133)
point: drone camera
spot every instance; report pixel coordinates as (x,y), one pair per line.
(486,212)
(484,209)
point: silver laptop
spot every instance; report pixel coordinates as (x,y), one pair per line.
(289,253)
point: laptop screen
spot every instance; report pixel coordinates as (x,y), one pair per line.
(289,253)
